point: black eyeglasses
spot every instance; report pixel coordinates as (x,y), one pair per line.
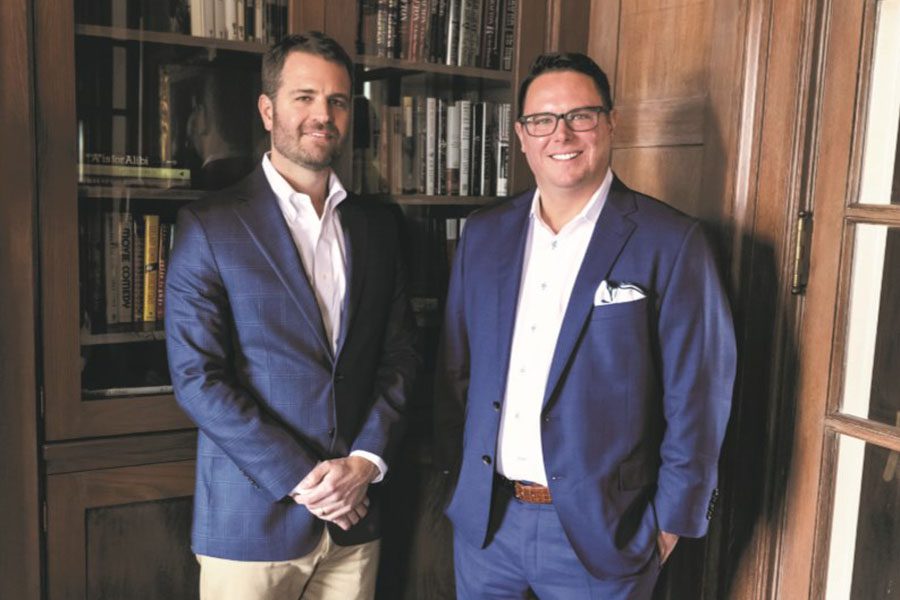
(584,118)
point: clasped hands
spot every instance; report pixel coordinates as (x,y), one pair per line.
(335,490)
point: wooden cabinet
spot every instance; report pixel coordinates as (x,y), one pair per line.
(124,91)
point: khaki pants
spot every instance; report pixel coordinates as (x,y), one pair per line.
(330,572)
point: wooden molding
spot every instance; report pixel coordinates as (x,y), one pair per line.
(20,571)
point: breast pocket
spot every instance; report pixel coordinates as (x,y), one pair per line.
(620,310)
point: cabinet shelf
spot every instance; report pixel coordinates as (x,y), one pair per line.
(377,67)
(423,200)
(122,337)
(172,39)
(149,193)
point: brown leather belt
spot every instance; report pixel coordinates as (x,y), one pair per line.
(531,493)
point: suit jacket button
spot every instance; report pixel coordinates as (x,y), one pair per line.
(486,459)
(496,406)
(331,432)
(338,377)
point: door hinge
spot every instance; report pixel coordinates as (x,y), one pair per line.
(802,238)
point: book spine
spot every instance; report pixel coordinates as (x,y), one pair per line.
(95,279)
(198,28)
(250,20)
(488,144)
(452,149)
(229,8)
(384,150)
(138,240)
(451,55)
(396,113)
(504,117)
(240,31)
(509,34)
(393,34)
(111,265)
(451,236)
(465,145)
(440,152)
(403,14)
(489,34)
(475,170)
(259,21)
(430,144)
(422,39)
(220,20)
(421,143)
(151,266)
(163,259)
(126,276)
(409,145)
(209,17)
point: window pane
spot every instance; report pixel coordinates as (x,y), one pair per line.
(879,181)
(872,363)
(864,557)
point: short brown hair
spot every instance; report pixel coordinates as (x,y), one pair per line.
(310,42)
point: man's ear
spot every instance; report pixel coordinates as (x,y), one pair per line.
(520,133)
(266,108)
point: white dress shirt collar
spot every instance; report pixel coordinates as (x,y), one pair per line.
(293,202)
(590,212)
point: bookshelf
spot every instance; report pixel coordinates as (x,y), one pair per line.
(118,90)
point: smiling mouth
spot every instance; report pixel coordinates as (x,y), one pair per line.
(564,156)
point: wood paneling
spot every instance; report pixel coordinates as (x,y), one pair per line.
(663,49)
(666,122)
(70,497)
(19,504)
(603,38)
(671,174)
(83,455)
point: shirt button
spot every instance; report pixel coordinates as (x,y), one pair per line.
(486,459)
(496,406)
(543,286)
(553,244)
(534,328)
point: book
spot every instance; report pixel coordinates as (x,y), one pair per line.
(165,232)
(421,133)
(440,151)
(488,141)
(508,43)
(137,261)
(504,118)
(94,273)
(151,266)
(491,34)
(221,20)
(396,149)
(475,156)
(451,54)
(126,275)
(111,258)
(453,132)
(198,23)
(408,145)
(230,24)
(430,144)
(465,146)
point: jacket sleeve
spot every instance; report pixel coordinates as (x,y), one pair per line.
(451,381)
(395,375)
(201,359)
(698,358)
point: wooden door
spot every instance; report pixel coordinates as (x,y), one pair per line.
(841,534)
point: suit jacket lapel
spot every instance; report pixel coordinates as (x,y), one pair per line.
(611,232)
(356,240)
(264,220)
(510,248)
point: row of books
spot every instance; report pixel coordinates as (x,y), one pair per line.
(130,170)
(433,146)
(467,33)
(263,21)
(123,269)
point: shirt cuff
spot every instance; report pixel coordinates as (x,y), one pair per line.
(374,459)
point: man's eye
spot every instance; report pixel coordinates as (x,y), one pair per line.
(339,102)
(580,116)
(543,120)
(304,98)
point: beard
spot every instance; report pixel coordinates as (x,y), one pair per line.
(306,152)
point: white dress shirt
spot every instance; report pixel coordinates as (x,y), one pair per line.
(549,269)
(320,243)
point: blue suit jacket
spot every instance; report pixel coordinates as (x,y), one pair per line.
(638,394)
(252,366)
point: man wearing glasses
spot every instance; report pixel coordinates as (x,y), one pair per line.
(586,369)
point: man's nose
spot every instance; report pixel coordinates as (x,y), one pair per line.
(563,131)
(321,110)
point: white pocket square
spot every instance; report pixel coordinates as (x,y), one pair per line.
(615,294)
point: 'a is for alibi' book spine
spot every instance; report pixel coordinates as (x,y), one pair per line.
(151,265)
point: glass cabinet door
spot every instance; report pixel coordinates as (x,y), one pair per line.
(144,106)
